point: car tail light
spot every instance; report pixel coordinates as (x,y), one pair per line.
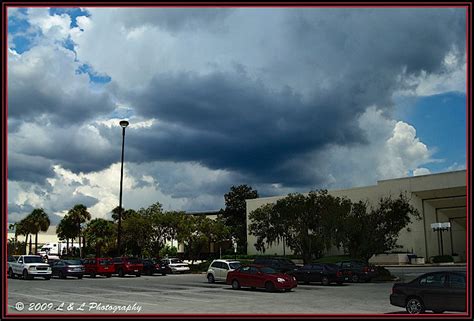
(157,266)
(365,269)
(338,273)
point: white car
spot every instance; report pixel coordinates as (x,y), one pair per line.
(219,268)
(176,265)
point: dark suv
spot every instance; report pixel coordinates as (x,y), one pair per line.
(152,266)
(128,265)
(279,264)
(359,271)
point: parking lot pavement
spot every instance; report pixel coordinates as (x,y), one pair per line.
(190,294)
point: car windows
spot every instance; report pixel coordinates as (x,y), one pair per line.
(317,267)
(433,280)
(33,259)
(457,281)
(306,267)
(234,266)
(268,270)
(245,269)
(73,262)
(224,266)
(346,264)
(215,265)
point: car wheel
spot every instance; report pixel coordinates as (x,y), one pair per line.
(269,286)
(79,277)
(61,275)
(108,275)
(287,290)
(325,280)
(92,275)
(210,278)
(355,278)
(415,306)
(235,285)
(149,273)
(11,275)
(339,283)
(164,274)
(120,273)
(25,275)
(47,277)
(438,311)
(138,275)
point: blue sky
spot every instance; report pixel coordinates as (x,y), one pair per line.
(303,99)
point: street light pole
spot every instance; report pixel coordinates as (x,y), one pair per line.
(124,125)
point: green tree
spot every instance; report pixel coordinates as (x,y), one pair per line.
(374,231)
(234,215)
(66,230)
(136,230)
(26,227)
(305,223)
(79,215)
(39,223)
(100,235)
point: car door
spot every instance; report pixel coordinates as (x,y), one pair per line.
(244,276)
(223,269)
(456,297)
(256,278)
(316,273)
(433,290)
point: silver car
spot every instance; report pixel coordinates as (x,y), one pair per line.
(219,268)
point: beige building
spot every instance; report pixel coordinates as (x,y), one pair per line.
(438,198)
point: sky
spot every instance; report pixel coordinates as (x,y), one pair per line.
(281,99)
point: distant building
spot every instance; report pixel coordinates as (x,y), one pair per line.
(438,197)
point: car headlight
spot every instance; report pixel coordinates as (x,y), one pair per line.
(31,267)
(281,280)
(294,278)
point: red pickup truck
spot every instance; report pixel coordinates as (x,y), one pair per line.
(128,265)
(98,266)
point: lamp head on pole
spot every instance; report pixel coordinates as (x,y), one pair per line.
(124,123)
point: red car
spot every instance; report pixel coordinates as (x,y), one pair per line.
(128,265)
(259,276)
(99,266)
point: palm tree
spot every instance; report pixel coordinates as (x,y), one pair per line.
(79,215)
(66,230)
(100,235)
(39,223)
(25,227)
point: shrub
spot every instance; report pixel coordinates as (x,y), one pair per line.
(442,259)
(170,251)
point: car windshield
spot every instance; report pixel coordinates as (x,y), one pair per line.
(11,259)
(33,259)
(268,270)
(234,265)
(133,260)
(73,262)
(105,262)
(176,261)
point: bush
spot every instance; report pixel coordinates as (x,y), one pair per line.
(442,259)
(170,251)
(383,274)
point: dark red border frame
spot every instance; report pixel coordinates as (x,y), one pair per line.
(458,4)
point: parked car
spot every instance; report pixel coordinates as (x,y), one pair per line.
(279,264)
(128,265)
(357,271)
(152,266)
(176,265)
(99,266)
(29,266)
(65,268)
(321,272)
(435,291)
(218,269)
(259,276)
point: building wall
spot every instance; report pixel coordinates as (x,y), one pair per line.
(418,236)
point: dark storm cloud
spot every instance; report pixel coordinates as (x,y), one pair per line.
(173,19)
(229,121)
(350,60)
(27,168)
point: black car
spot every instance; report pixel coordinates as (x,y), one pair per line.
(279,264)
(65,268)
(435,291)
(152,266)
(318,272)
(357,271)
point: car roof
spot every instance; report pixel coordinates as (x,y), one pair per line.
(226,260)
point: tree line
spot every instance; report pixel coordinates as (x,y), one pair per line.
(311,225)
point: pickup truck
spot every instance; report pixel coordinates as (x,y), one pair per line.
(29,266)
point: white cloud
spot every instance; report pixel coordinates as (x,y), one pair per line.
(421,171)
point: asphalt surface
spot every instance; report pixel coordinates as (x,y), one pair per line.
(188,295)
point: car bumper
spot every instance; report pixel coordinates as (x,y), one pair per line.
(397,300)
(285,285)
(180,269)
